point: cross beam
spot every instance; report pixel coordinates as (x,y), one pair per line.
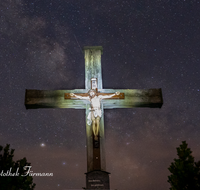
(129,98)
(56,99)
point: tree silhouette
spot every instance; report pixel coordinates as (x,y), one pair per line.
(11,172)
(185,173)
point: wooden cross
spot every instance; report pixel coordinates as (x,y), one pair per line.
(128,98)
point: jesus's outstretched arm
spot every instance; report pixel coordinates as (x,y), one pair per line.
(108,96)
(79,97)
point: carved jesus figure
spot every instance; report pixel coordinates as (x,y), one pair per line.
(95,108)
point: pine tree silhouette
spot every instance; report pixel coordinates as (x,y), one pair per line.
(185,173)
(6,165)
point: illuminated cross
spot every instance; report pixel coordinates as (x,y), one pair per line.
(96,176)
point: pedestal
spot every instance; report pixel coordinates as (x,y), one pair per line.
(97,180)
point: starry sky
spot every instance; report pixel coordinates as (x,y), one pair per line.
(146,44)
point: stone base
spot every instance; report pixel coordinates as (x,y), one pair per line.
(97,180)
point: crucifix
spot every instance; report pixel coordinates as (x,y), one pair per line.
(94,99)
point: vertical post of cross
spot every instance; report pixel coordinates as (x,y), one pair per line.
(96,165)
(95,156)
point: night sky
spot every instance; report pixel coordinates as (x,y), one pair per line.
(146,44)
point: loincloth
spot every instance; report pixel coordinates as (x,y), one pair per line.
(93,114)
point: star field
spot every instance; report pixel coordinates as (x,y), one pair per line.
(146,44)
